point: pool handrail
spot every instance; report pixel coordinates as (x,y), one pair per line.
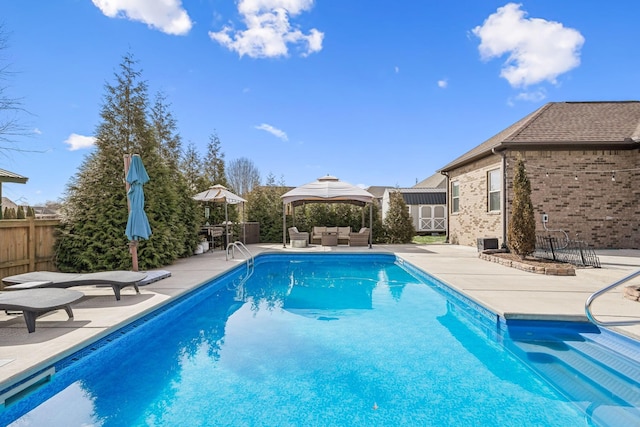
(242,248)
(239,288)
(592,297)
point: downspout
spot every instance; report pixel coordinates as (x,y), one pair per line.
(503,202)
(446,237)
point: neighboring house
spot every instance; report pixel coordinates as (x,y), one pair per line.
(583,162)
(378,191)
(45,212)
(426,202)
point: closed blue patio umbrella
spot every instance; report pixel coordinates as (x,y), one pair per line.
(138,224)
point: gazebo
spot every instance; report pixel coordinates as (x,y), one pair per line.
(219,194)
(6,176)
(327,189)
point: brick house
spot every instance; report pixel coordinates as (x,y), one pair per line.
(583,162)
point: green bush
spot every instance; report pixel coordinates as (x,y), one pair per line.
(397,223)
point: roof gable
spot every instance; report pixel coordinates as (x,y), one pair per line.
(566,124)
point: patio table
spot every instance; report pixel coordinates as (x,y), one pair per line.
(329,238)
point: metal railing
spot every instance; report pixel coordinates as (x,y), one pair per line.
(587,304)
(239,287)
(242,248)
(575,252)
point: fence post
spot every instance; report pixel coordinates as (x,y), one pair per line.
(553,253)
(31,243)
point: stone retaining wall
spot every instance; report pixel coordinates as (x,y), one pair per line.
(559,270)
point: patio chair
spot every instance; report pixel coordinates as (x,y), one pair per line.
(117,279)
(361,238)
(343,235)
(294,234)
(35,302)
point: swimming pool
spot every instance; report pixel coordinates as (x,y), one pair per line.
(338,339)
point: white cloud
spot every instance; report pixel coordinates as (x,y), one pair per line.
(274,131)
(397,69)
(537,49)
(534,96)
(78,142)
(443,83)
(37,131)
(167,16)
(269,32)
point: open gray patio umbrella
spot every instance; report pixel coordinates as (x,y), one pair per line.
(138,224)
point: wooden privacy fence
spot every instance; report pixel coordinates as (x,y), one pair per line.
(26,245)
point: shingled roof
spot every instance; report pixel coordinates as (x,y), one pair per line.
(566,125)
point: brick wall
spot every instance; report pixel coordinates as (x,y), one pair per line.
(594,208)
(473,219)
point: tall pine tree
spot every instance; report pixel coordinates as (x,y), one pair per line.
(521,231)
(214,170)
(91,234)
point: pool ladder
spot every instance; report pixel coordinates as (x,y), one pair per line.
(587,304)
(239,288)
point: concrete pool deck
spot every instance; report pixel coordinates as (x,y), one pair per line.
(512,293)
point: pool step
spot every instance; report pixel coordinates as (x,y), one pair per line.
(611,378)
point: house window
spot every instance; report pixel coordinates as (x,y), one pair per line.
(493,178)
(455,196)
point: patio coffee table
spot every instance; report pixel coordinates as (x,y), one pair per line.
(329,238)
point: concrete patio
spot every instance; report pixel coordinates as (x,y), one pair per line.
(512,293)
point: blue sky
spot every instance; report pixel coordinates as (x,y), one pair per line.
(373,92)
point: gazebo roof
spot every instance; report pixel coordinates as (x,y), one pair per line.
(219,194)
(6,176)
(327,189)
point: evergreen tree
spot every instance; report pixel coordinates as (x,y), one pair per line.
(181,215)
(521,230)
(264,206)
(9,213)
(214,170)
(91,234)
(398,225)
(191,166)
(20,214)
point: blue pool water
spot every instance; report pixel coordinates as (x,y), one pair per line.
(338,340)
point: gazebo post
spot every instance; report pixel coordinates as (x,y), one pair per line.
(370,223)
(284,224)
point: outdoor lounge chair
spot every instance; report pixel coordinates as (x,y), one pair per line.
(117,279)
(36,302)
(294,234)
(361,238)
(343,235)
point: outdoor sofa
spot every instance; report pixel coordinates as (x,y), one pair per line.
(342,232)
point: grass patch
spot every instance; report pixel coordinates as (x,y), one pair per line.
(426,240)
